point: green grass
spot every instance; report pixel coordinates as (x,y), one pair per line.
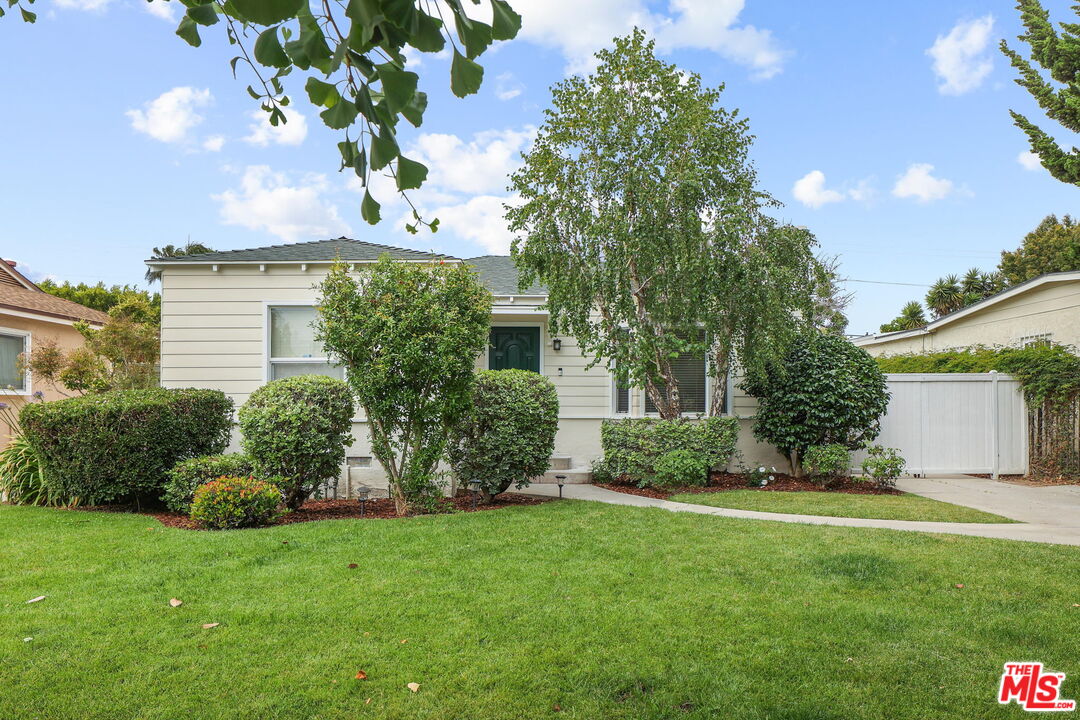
(608,612)
(835,504)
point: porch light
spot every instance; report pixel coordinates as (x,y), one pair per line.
(362,493)
(561,479)
(556,344)
(474,488)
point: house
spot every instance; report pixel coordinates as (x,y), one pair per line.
(237,319)
(1043,309)
(30,318)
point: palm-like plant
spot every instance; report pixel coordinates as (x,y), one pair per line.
(945,296)
(191,248)
(911,317)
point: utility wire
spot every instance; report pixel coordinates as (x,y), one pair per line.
(884,282)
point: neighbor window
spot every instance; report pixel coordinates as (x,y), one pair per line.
(1041,339)
(293,347)
(12,375)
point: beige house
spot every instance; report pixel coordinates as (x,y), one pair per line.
(29,318)
(235,320)
(1044,309)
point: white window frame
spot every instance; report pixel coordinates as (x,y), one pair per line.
(268,360)
(27,339)
(1028,340)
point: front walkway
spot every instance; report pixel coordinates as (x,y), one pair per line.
(1046,515)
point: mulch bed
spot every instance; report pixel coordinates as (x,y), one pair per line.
(724,481)
(1030,480)
(314,510)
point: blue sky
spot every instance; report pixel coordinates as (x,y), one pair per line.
(883,127)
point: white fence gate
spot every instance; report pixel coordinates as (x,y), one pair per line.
(956,423)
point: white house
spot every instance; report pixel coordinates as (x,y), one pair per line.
(234,320)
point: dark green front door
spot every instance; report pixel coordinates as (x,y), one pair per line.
(514,347)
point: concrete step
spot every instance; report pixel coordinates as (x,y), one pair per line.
(560,462)
(573,476)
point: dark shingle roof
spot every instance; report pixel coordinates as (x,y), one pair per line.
(500,276)
(317,251)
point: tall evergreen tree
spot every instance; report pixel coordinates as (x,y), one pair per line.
(1058,54)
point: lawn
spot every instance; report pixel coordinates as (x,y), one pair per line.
(562,610)
(836,504)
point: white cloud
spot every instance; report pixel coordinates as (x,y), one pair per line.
(960,58)
(480,166)
(701,24)
(1029,160)
(267,201)
(864,191)
(171,115)
(918,182)
(92,5)
(161,8)
(214,143)
(507,86)
(291,132)
(479,219)
(810,190)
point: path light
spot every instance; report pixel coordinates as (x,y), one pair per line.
(362,493)
(560,479)
(474,488)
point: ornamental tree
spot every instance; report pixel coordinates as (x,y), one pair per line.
(1058,54)
(1054,246)
(408,335)
(353,55)
(640,213)
(827,391)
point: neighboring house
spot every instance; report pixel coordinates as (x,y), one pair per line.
(1043,309)
(30,317)
(234,320)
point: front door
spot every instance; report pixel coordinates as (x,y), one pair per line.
(514,347)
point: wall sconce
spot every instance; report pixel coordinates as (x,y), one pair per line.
(556,344)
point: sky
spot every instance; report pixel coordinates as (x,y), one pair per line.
(881,127)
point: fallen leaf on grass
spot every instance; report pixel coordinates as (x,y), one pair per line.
(1076,604)
(413,686)
(39,598)
(361,675)
(176,603)
(353,566)
(368,701)
(404,641)
(959,586)
(207,626)
(27,639)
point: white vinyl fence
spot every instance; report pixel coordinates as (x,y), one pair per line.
(956,423)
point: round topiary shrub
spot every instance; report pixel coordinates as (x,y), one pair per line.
(236,502)
(187,475)
(508,434)
(295,430)
(679,468)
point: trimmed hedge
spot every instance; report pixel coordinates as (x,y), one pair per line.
(189,474)
(236,502)
(632,446)
(682,468)
(296,430)
(508,434)
(119,445)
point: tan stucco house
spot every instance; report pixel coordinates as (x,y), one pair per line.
(235,320)
(1044,309)
(29,318)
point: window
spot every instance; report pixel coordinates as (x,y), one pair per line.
(689,370)
(293,347)
(1041,339)
(12,376)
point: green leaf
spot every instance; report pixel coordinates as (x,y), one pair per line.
(298,54)
(427,37)
(321,93)
(28,16)
(465,75)
(268,50)
(505,23)
(189,31)
(369,209)
(364,104)
(340,116)
(383,149)
(475,34)
(203,14)
(267,12)
(398,86)
(414,111)
(410,174)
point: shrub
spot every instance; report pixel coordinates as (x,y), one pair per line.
(236,502)
(187,475)
(827,462)
(883,465)
(826,392)
(508,434)
(296,430)
(601,471)
(679,468)
(759,476)
(21,479)
(632,446)
(119,445)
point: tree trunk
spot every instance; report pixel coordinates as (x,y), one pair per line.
(401,503)
(796,464)
(719,372)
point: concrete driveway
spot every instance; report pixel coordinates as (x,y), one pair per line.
(1057,506)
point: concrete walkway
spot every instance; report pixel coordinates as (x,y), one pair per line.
(1047,515)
